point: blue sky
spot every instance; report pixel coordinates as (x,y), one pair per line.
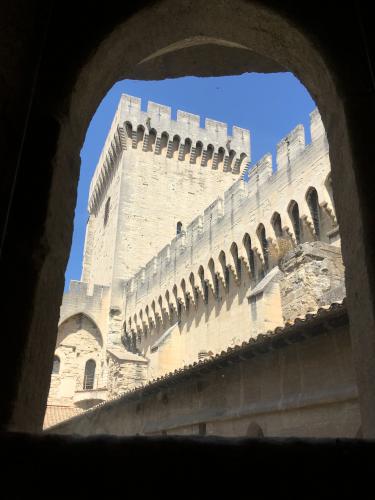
(269,105)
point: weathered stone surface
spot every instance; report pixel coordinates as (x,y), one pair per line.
(226,276)
(312,276)
(304,388)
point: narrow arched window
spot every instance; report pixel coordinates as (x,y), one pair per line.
(56,365)
(151,140)
(232,154)
(198,150)
(313,203)
(88,380)
(187,150)
(129,131)
(294,216)
(174,147)
(140,136)
(264,243)
(210,154)
(106,211)
(163,142)
(220,158)
(250,254)
(276,224)
(179,227)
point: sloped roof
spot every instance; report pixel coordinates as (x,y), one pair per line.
(322,321)
(124,355)
(262,285)
(164,337)
(56,414)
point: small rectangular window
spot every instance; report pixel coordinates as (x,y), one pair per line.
(202,429)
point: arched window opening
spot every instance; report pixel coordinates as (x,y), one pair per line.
(276,224)
(187,150)
(129,132)
(250,254)
(106,211)
(210,154)
(194,288)
(140,136)
(215,279)
(179,227)
(261,232)
(198,151)
(220,158)
(236,259)
(175,147)
(151,140)
(88,380)
(294,216)
(56,365)
(163,142)
(223,262)
(203,284)
(231,156)
(242,158)
(313,203)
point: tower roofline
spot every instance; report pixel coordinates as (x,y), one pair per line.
(212,141)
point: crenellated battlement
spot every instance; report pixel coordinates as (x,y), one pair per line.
(80,298)
(229,228)
(154,132)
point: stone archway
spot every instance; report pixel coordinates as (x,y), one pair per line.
(254,430)
(78,340)
(252,38)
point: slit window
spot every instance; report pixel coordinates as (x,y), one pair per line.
(313,203)
(294,215)
(56,365)
(88,380)
(106,211)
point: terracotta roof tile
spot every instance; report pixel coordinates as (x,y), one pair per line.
(288,331)
(56,414)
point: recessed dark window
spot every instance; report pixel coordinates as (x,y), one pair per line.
(56,365)
(313,203)
(202,430)
(106,211)
(88,381)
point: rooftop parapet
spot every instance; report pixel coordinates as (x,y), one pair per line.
(290,147)
(261,171)
(80,289)
(234,198)
(212,144)
(187,125)
(80,298)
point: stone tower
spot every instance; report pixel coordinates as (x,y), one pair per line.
(154,176)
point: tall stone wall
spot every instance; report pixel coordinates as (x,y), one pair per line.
(79,340)
(147,153)
(102,232)
(223,246)
(217,282)
(208,327)
(303,388)
(312,276)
